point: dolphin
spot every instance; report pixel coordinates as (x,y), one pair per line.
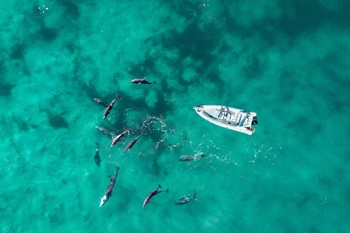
(109,189)
(142,81)
(97,157)
(186,199)
(131,144)
(118,137)
(191,157)
(109,107)
(152,194)
(100,102)
(104,131)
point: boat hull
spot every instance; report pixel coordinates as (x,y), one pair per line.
(228,117)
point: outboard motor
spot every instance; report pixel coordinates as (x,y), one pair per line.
(255,120)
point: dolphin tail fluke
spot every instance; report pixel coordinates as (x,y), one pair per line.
(154,82)
(194,195)
(167,190)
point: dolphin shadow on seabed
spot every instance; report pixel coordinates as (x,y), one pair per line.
(97,157)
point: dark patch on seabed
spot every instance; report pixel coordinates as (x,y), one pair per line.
(2,69)
(307,198)
(287,80)
(143,68)
(6,89)
(254,68)
(162,107)
(17,51)
(314,229)
(43,32)
(71,9)
(126,198)
(308,17)
(258,28)
(66,22)
(193,42)
(57,121)
(158,169)
(23,125)
(48,34)
(85,67)
(186,9)
(307,126)
(347,195)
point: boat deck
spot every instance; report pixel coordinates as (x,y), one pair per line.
(228,117)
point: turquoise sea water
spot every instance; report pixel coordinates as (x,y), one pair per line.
(286,60)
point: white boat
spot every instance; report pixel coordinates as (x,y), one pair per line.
(229,117)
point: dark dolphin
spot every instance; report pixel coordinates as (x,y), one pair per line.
(97,157)
(186,199)
(109,107)
(142,81)
(109,189)
(152,194)
(118,137)
(131,144)
(191,157)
